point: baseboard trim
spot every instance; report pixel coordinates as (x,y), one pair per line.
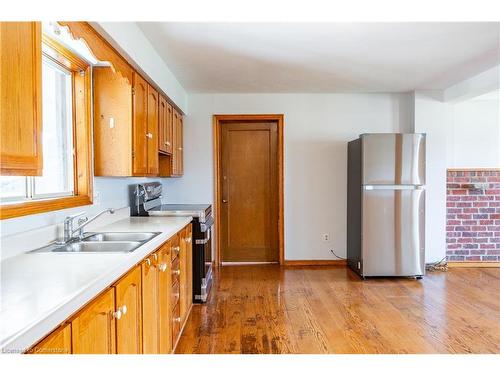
(473,264)
(317,262)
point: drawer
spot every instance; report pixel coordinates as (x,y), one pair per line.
(176,271)
(175,295)
(176,324)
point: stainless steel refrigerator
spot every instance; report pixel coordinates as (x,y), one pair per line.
(386,205)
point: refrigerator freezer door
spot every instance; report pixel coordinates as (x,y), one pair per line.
(393,159)
(393,231)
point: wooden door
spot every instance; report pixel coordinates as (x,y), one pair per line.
(58,342)
(140,126)
(150,336)
(128,302)
(164,300)
(21,98)
(249,192)
(93,329)
(152,131)
(162,125)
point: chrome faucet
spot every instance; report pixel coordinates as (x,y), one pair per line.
(69,231)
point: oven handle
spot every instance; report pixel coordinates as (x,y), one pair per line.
(204,227)
(205,240)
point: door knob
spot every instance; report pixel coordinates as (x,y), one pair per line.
(224,201)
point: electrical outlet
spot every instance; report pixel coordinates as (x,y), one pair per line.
(326,237)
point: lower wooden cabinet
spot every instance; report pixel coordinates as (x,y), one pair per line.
(143,312)
(150,304)
(58,342)
(93,331)
(128,295)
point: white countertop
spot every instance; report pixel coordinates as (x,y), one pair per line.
(41,290)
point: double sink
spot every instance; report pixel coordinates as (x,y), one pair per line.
(103,242)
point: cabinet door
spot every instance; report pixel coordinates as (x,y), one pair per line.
(21,98)
(170,128)
(152,131)
(180,146)
(128,302)
(175,137)
(162,125)
(112,123)
(140,126)
(150,305)
(164,300)
(93,329)
(58,342)
(186,279)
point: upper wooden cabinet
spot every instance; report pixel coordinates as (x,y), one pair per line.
(126,120)
(165,127)
(21,98)
(173,165)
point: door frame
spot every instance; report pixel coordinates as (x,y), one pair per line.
(217,124)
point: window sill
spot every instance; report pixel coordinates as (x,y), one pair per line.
(9,211)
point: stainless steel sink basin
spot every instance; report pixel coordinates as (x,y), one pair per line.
(105,242)
(119,236)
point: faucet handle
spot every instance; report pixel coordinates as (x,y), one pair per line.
(74,216)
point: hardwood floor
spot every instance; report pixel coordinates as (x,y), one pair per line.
(270,309)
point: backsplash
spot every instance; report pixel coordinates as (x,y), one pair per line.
(473,215)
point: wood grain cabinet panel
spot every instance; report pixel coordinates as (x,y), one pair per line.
(164,300)
(140,127)
(152,131)
(150,334)
(58,342)
(93,330)
(128,294)
(21,98)
(165,127)
(186,276)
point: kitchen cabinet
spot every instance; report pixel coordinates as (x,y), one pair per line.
(165,127)
(143,312)
(129,320)
(173,165)
(150,304)
(126,120)
(21,98)
(93,331)
(58,342)
(164,299)
(186,282)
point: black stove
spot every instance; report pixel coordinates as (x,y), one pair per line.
(146,201)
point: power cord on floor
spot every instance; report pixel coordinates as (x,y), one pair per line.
(336,255)
(441,265)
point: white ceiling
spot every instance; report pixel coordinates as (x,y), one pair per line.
(324,57)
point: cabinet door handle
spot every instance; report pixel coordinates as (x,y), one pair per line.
(123,309)
(155,256)
(117,314)
(188,239)
(176,272)
(149,135)
(177,249)
(162,267)
(180,148)
(148,262)
(167,143)
(177,320)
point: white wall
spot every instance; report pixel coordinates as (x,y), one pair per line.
(474,134)
(431,117)
(111,192)
(317,129)
(130,41)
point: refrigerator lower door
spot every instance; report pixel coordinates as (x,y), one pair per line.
(393,231)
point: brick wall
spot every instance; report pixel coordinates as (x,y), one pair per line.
(473,216)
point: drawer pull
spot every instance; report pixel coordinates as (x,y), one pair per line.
(123,309)
(176,272)
(188,239)
(162,267)
(177,320)
(177,249)
(117,314)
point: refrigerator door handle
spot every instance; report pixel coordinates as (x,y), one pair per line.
(393,187)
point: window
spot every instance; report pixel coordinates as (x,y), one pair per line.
(58,172)
(65,181)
